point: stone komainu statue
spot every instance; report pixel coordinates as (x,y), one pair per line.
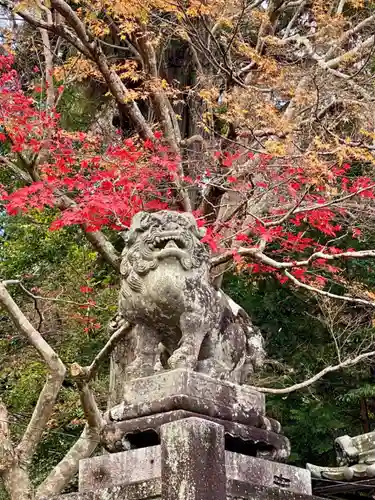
(179,319)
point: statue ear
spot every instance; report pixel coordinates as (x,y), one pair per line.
(137,220)
(125,236)
(200,232)
(190,217)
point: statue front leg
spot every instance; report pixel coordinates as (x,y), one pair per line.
(146,352)
(194,328)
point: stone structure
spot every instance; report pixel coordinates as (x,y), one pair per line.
(355,459)
(186,429)
(181,320)
(182,435)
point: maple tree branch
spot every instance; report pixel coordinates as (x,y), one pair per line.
(58,29)
(96,238)
(258,255)
(72,19)
(59,478)
(40,297)
(7,455)
(48,59)
(351,54)
(90,409)
(349,33)
(320,60)
(164,112)
(294,18)
(16,479)
(21,174)
(289,214)
(344,298)
(104,247)
(92,50)
(88,372)
(340,6)
(56,374)
(296,209)
(329,369)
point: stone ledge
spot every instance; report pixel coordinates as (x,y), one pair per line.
(238,490)
(144,464)
(217,398)
(259,441)
(143,490)
(151,490)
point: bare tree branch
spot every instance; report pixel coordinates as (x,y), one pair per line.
(48,58)
(44,407)
(352,54)
(265,259)
(6,448)
(344,298)
(60,476)
(87,373)
(329,369)
(21,174)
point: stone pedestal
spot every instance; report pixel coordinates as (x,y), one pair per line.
(151,402)
(192,438)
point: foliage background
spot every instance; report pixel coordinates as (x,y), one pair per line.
(62,263)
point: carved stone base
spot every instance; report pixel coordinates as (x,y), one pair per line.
(196,392)
(170,396)
(189,464)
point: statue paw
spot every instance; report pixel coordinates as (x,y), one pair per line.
(180,359)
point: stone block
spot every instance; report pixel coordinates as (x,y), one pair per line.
(71,496)
(187,390)
(119,469)
(144,464)
(192,460)
(144,490)
(237,490)
(263,472)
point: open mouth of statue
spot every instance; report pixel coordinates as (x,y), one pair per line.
(163,242)
(169,245)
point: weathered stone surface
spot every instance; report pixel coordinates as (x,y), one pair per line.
(143,490)
(151,490)
(119,468)
(172,395)
(181,320)
(71,496)
(199,392)
(238,490)
(251,440)
(145,464)
(355,458)
(263,472)
(136,491)
(192,460)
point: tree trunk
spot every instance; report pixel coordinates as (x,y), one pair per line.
(17,483)
(364,416)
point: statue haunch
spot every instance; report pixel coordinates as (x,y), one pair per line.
(180,320)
